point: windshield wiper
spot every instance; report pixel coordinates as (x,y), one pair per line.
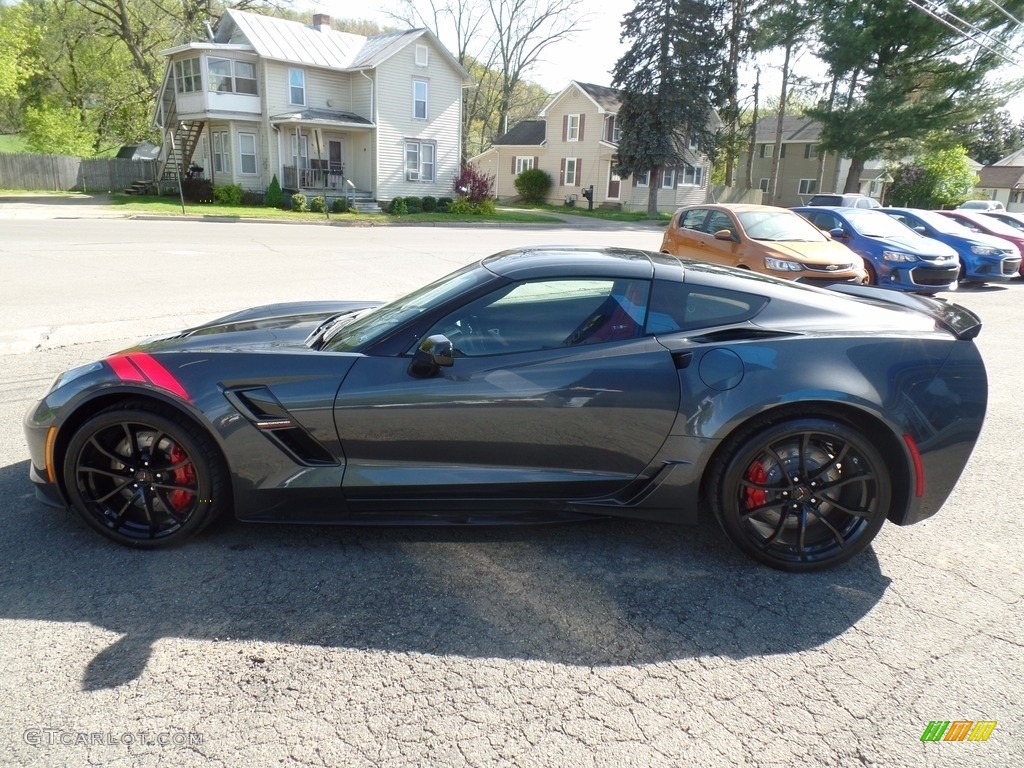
(316,339)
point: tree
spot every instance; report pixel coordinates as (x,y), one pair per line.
(738,33)
(942,178)
(908,74)
(668,78)
(785,25)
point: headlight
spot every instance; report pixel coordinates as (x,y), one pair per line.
(984,250)
(782,266)
(74,373)
(898,256)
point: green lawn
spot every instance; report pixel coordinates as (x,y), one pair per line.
(171,206)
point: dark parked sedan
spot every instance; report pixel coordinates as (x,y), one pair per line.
(536,385)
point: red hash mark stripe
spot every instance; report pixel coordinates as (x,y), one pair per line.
(139,366)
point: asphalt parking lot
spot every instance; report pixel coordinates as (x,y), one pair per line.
(601,644)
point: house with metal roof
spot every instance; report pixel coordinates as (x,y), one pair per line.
(327,112)
(575,139)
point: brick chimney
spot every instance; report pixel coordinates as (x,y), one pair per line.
(321,22)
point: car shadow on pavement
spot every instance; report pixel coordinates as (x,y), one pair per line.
(605,593)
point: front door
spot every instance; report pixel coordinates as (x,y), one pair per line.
(614,183)
(554,393)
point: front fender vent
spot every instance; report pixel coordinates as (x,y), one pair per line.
(269,416)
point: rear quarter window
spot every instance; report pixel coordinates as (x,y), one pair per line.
(680,307)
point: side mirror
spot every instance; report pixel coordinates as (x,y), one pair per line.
(724,234)
(837,233)
(921,230)
(433,353)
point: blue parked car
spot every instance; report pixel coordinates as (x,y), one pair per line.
(983,258)
(895,255)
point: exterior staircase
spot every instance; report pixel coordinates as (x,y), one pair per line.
(181,138)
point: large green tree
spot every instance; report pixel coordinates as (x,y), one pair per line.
(669,78)
(942,178)
(905,75)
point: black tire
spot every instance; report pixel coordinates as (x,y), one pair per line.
(144,476)
(801,495)
(872,274)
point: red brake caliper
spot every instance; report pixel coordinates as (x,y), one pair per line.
(185,475)
(755,497)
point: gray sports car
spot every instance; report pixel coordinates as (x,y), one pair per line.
(536,385)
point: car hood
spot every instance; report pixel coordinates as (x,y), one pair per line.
(823,253)
(921,246)
(271,327)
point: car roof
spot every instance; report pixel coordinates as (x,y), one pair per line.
(575,260)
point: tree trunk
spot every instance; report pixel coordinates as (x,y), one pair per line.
(853,177)
(753,134)
(653,180)
(773,183)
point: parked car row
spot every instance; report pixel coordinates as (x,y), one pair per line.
(905,249)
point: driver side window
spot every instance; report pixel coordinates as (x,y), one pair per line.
(547,314)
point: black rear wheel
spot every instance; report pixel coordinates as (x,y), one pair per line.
(801,495)
(144,477)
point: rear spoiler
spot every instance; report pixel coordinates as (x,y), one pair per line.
(958,320)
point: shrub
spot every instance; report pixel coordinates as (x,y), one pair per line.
(397,207)
(461,207)
(485,207)
(473,184)
(253,199)
(414,204)
(318,204)
(228,194)
(299,202)
(443,204)
(340,205)
(429,204)
(274,198)
(533,185)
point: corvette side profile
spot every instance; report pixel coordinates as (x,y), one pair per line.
(536,385)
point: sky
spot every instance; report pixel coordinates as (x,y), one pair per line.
(590,55)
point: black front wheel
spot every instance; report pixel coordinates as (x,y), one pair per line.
(144,477)
(801,495)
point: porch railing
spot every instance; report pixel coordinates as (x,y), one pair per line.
(314,178)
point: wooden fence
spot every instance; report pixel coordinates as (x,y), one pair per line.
(60,173)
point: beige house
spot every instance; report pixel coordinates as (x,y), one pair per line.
(803,170)
(1004,181)
(575,139)
(327,112)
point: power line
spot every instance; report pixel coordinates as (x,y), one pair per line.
(972,31)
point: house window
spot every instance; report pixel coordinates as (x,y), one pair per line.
(229,76)
(809,151)
(422,56)
(420,161)
(693,146)
(807,187)
(221,152)
(186,76)
(643,179)
(693,174)
(572,128)
(1017,196)
(523,164)
(569,178)
(763,185)
(247,153)
(419,99)
(613,134)
(297,87)
(782,150)
(668,178)
(765,150)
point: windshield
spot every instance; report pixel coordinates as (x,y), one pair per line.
(877,224)
(375,323)
(943,223)
(779,226)
(993,225)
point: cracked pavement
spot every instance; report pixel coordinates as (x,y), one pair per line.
(598,644)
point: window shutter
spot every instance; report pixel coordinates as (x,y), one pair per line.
(583,118)
(579,161)
(565,127)
(561,172)
(513,164)
(536,161)
(634,179)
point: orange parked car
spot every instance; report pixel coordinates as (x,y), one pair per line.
(765,239)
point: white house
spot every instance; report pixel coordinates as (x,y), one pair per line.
(324,111)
